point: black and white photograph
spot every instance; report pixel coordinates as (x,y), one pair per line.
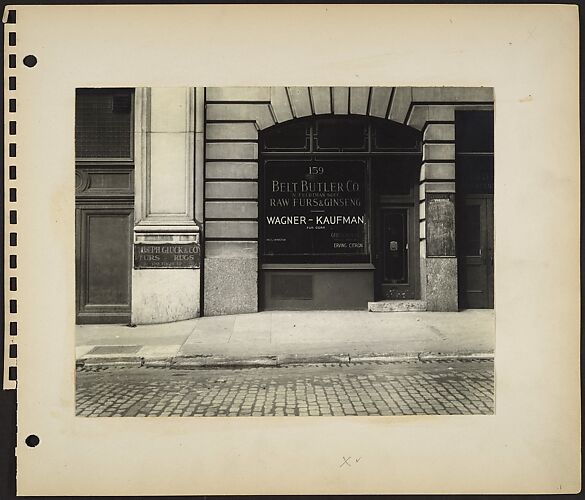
(284,251)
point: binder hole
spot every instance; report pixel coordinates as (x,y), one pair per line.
(32,441)
(30,61)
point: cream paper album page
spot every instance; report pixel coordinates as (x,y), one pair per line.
(285,249)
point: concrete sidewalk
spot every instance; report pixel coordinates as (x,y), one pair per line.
(283,337)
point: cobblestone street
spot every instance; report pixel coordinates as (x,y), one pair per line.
(401,388)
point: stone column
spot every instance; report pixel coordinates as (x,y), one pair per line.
(164,206)
(438,211)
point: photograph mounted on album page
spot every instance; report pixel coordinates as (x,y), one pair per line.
(249,244)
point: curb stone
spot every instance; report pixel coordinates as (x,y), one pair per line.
(127,361)
(211,361)
(221,361)
(454,356)
(423,356)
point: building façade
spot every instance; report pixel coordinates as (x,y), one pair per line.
(215,201)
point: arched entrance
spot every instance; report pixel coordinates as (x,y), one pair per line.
(338,212)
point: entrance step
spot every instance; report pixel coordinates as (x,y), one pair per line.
(397,306)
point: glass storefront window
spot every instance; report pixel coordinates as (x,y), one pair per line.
(316,203)
(315,211)
(393,176)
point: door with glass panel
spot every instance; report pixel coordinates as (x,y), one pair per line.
(395,267)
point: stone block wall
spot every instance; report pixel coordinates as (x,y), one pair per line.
(231,197)
(437,190)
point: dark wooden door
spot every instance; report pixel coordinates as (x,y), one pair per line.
(104,218)
(104,204)
(394,257)
(104,262)
(476,252)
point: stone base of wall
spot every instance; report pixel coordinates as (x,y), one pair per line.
(231,286)
(164,295)
(441,284)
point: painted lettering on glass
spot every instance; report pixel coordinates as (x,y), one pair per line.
(315,209)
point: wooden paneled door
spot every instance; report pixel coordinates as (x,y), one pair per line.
(104,205)
(476,252)
(104,262)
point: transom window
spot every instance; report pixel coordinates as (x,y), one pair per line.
(335,134)
(474,131)
(103,124)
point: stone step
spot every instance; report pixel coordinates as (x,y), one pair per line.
(397,306)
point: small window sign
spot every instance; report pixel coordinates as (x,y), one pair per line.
(166,256)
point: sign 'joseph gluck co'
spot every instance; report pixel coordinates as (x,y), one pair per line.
(166,256)
(314,208)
